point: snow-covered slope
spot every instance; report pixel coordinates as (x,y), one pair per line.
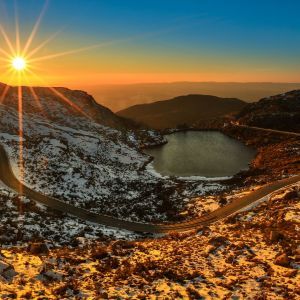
(56,104)
(77,159)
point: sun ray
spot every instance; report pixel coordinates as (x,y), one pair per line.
(61,96)
(7,40)
(21,133)
(37,100)
(5,59)
(43,44)
(78,50)
(68,101)
(103,44)
(4,93)
(7,72)
(18,44)
(5,53)
(7,86)
(64,53)
(35,28)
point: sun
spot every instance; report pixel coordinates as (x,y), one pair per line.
(18,63)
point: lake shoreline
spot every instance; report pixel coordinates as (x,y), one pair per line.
(204,165)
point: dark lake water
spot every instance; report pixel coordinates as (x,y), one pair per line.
(201,153)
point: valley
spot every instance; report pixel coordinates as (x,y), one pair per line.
(83,191)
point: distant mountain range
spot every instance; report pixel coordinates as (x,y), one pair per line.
(182,110)
(120,96)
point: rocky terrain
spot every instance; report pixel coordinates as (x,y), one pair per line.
(97,163)
(252,255)
(276,112)
(275,152)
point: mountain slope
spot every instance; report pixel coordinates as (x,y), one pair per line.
(276,112)
(56,103)
(70,155)
(182,110)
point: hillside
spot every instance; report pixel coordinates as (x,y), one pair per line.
(182,110)
(77,158)
(276,112)
(55,104)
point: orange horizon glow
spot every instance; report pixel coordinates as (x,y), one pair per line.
(70,81)
(97,51)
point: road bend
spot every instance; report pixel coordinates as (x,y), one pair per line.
(8,178)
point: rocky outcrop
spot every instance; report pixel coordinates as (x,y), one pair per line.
(280,112)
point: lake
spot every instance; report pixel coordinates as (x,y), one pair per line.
(201,153)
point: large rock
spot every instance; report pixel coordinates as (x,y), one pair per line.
(290,195)
(218,241)
(100,253)
(7,271)
(275,236)
(38,249)
(282,260)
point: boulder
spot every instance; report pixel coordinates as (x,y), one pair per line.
(282,260)
(290,195)
(218,241)
(100,253)
(48,273)
(291,273)
(7,271)
(222,201)
(275,236)
(38,249)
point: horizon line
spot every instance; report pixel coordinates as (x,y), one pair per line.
(161,82)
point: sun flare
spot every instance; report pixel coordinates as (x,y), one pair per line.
(19,63)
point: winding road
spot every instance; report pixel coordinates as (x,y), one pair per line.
(281,132)
(8,178)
